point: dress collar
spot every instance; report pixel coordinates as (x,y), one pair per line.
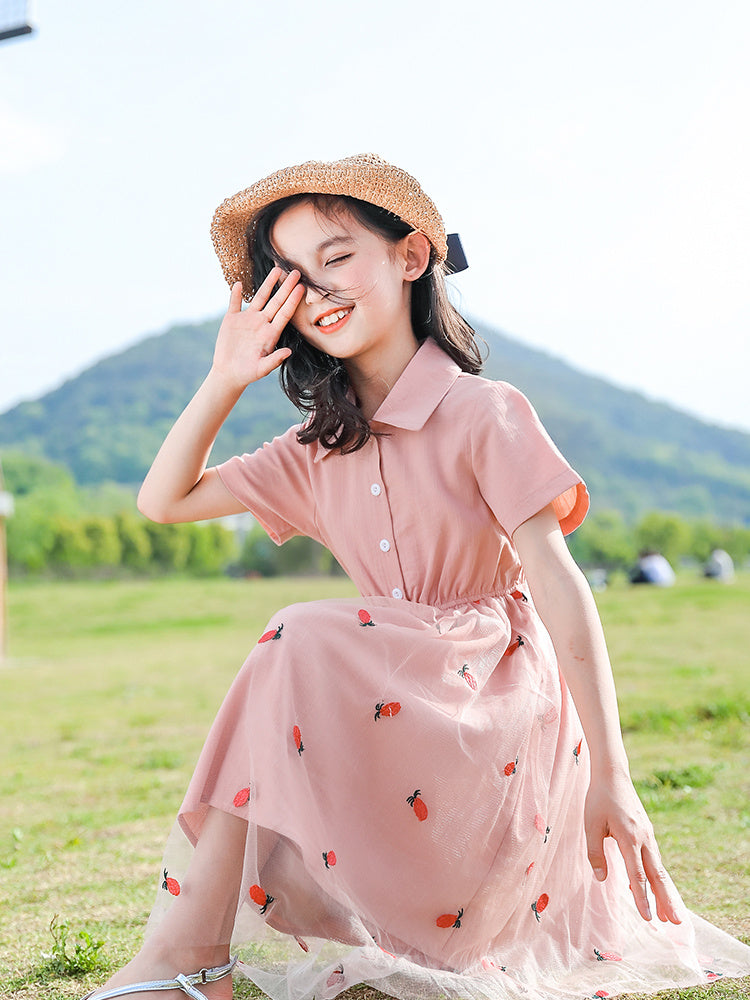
(416,394)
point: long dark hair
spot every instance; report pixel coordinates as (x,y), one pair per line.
(317,383)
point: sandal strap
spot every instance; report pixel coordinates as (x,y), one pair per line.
(180,982)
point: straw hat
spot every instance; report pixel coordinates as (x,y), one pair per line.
(365,176)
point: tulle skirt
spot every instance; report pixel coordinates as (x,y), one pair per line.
(413,780)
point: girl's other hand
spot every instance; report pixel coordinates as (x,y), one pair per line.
(613,809)
(246,345)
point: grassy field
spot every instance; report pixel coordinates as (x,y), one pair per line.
(109,688)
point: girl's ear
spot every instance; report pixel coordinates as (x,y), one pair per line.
(415,249)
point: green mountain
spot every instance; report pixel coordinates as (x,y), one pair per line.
(635,454)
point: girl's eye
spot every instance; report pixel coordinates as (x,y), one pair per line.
(338,260)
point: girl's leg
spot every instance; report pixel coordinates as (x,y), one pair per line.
(196,930)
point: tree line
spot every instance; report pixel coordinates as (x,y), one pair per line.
(61,529)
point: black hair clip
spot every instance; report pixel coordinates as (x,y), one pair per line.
(456,259)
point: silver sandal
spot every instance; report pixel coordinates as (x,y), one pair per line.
(180,982)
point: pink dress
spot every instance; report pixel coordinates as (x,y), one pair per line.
(410,763)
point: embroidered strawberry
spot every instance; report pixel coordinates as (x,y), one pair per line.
(469,678)
(713,976)
(420,809)
(260,897)
(549,717)
(302,943)
(337,976)
(329,858)
(298,740)
(528,870)
(364,618)
(274,633)
(242,797)
(542,827)
(387,709)
(514,646)
(577,750)
(170,884)
(518,595)
(450,919)
(541,905)
(600,995)
(510,768)
(607,956)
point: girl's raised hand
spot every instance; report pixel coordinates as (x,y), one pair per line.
(246,345)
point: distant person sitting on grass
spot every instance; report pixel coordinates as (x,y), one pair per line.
(719,566)
(652,567)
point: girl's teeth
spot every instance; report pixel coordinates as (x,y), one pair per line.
(333,317)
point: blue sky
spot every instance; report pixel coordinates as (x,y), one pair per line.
(594,157)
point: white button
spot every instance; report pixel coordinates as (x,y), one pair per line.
(397,593)
(375,489)
(385,544)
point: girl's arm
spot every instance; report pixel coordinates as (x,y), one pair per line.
(566,605)
(178,487)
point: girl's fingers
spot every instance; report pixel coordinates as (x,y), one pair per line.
(286,308)
(267,364)
(665,894)
(261,297)
(637,876)
(281,296)
(235,298)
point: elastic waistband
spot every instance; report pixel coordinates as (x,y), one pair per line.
(468,600)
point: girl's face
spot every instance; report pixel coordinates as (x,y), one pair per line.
(366,302)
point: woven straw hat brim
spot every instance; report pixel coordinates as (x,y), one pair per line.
(365,176)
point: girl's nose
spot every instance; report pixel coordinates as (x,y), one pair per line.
(313,295)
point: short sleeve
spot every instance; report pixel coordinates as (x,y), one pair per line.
(274,484)
(517,465)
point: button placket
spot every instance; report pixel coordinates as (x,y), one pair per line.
(389,577)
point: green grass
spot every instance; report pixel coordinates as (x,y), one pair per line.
(109,688)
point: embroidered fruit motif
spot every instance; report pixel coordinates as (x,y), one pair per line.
(540,906)
(298,740)
(260,897)
(607,956)
(170,884)
(542,827)
(577,750)
(450,919)
(713,976)
(302,943)
(514,646)
(329,858)
(510,768)
(469,678)
(518,595)
(420,809)
(600,995)
(242,797)
(549,717)
(364,618)
(529,869)
(274,633)
(387,709)
(337,976)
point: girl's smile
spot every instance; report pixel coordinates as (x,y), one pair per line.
(334,319)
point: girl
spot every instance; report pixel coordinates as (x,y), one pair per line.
(424,788)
